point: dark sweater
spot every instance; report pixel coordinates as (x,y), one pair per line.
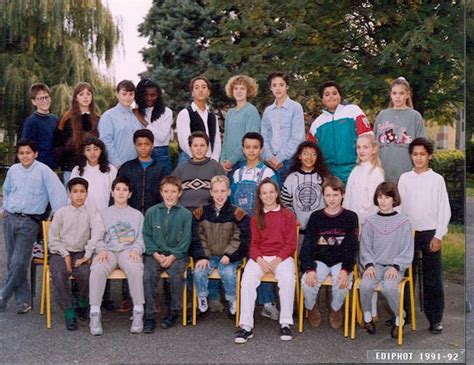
(40,128)
(278,238)
(330,239)
(196,181)
(220,232)
(67,155)
(145,183)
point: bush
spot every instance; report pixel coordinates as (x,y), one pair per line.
(450,165)
(470,157)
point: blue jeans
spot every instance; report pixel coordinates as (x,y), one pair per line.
(283,171)
(265,294)
(228,275)
(20,235)
(161,154)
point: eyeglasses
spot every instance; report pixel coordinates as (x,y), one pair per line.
(43,98)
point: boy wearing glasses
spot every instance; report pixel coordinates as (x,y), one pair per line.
(39,126)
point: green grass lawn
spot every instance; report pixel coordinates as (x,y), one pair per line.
(454,249)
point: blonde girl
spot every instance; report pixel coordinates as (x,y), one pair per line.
(395,128)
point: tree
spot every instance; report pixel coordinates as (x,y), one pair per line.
(363,45)
(54,42)
(178,34)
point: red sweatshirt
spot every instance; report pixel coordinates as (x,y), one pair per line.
(277,239)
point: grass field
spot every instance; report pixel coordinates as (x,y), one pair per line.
(454,249)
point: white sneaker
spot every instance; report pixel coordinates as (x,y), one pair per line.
(233,307)
(95,323)
(270,310)
(202,304)
(137,323)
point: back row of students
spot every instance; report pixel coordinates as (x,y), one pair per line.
(282,125)
(423,192)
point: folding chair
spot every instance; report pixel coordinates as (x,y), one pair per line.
(270,278)
(327,282)
(357,313)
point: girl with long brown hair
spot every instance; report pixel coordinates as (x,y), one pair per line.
(272,247)
(78,122)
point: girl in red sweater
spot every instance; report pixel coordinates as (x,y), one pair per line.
(272,247)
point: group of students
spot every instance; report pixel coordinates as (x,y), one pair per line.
(222,203)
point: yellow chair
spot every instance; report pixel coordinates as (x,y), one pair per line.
(117,274)
(270,278)
(357,313)
(302,312)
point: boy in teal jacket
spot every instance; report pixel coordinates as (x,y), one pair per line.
(167,236)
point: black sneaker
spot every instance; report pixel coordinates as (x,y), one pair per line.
(149,326)
(370,327)
(169,321)
(436,328)
(243,336)
(285,333)
(71,324)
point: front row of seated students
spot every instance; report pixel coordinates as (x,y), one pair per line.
(115,237)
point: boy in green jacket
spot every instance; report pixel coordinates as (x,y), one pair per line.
(167,236)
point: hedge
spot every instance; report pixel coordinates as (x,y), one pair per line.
(450,165)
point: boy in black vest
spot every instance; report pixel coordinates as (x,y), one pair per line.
(198,117)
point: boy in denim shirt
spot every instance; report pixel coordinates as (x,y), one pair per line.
(27,189)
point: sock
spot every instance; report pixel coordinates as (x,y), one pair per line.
(95,309)
(266,305)
(285,325)
(138,308)
(70,313)
(247,328)
(367,317)
(82,303)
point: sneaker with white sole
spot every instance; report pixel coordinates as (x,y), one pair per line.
(285,333)
(137,322)
(202,304)
(23,308)
(271,311)
(95,323)
(243,336)
(232,307)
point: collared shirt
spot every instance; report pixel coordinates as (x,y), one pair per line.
(75,230)
(425,201)
(116,128)
(183,126)
(278,207)
(282,130)
(28,190)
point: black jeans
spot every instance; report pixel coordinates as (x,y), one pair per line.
(433,291)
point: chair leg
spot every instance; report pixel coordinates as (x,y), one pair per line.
(346,315)
(185,298)
(48,299)
(400,314)
(43,289)
(354,310)
(412,303)
(301,311)
(194,305)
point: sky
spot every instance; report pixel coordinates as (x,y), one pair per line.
(127,61)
